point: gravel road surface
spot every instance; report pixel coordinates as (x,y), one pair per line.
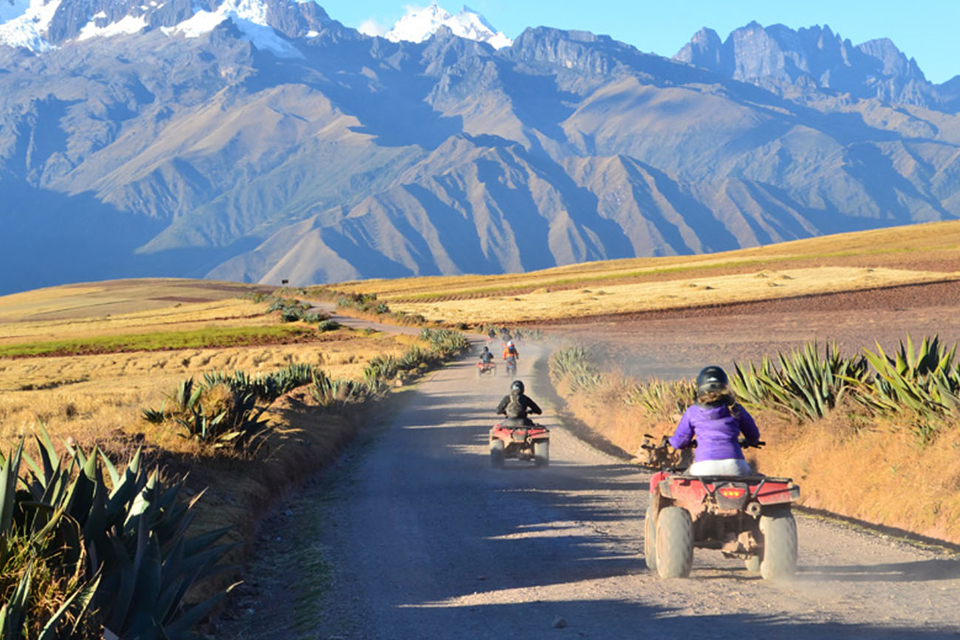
(412,535)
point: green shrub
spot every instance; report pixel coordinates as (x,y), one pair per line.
(328,325)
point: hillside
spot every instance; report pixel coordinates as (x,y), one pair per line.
(265,141)
(840,263)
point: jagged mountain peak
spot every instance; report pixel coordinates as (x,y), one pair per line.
(421,24)
(790,60)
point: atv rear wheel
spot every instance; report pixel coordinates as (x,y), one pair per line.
(674,543)
(496,454)
(650,539)
(779,545)
(541,453)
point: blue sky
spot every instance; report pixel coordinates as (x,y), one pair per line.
(923,29)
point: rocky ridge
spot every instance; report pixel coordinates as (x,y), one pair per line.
(262,141)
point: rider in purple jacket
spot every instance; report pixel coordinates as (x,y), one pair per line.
(717,422)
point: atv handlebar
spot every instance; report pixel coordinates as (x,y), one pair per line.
(665,442)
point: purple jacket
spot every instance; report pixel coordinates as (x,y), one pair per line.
(717,431)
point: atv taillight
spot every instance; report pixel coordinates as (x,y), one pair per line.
(733,492)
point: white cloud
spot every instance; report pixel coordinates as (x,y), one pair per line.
(371,27)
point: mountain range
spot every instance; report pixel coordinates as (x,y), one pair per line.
(262,140)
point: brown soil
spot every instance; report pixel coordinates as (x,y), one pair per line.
(677,343)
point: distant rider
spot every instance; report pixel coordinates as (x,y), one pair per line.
(516,405)
(717,422)
(510,351)
(486,357)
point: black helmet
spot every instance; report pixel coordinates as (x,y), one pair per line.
(485,349)
(517,386)
(711,378)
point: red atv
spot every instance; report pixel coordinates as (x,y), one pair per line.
(745,517)
(486,369)
(513,439)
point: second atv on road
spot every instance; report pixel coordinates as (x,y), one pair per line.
(513,439)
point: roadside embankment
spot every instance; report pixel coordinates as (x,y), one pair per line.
(202,468)
(897,470)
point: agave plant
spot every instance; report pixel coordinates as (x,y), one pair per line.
(921,380)
(662,398)
(186,395)
(445,342)
(575,365)
(130,537)
(806,385)
(41,551)
(380,368)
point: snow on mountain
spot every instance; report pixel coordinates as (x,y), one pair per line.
(126,25)
(28,23)
(250,17)
(420,24)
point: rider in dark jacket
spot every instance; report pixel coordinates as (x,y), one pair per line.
(516,405)
(486,357)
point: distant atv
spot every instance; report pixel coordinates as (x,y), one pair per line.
(488,369)
(746,517)
(512,439)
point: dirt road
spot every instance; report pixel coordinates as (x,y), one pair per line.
(413,536)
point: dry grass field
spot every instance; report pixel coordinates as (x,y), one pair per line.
(96,397)
(847,262)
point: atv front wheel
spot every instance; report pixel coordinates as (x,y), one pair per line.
(496,454)
(650,539)
(779,545)
(753,564)
(541,453)
(674,543)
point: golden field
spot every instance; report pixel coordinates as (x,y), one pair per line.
(846,262)
(100,396)
(546,305)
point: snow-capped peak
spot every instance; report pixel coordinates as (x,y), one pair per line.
(420,24)
(250,17)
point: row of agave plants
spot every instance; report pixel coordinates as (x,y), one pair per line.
(225,409)
(442,344)
(81,558)
(918,382)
